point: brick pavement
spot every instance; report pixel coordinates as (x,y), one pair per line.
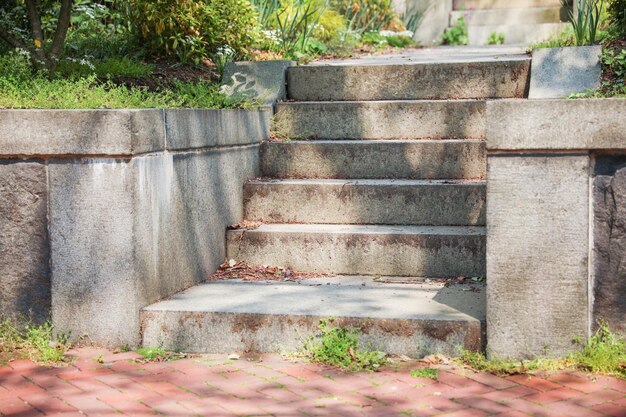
(212,386)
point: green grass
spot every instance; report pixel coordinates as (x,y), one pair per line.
(38,343)
(21,89)
(340,347)
(425,373)
(603,353)
(159,354)
(106,69)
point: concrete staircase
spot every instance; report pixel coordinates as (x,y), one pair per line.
(386,190)
(520,21)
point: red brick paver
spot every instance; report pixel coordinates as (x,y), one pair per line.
(100,383)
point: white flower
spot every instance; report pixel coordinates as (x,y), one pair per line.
(388,33)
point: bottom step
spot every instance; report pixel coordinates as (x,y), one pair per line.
(403,319)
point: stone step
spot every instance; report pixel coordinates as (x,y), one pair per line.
(433,119)
(368,80)
(235,316)
(404,202)
(375,159)
(503,4)
(516,34)
(490,17)
(438,251)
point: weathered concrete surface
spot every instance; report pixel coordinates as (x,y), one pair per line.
(521,34)
(410,202)
(556,124)
(382,119)
(354,249)
(262,80)
(274,317)
(509,16)
(503,4)
(24,244)
(609,242)
(559,72)
(537,253)
(81,132)
(335,81)
(125,233)
(360,159)
(187,128)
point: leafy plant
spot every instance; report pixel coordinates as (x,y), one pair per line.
(586,20)
(366,15)
(194,30)
(35,342)
(457,34)
(340,347)
(43,49)
(604,352)
(617,15)
(496,39)
(566,38)
(425,373)
(295,23)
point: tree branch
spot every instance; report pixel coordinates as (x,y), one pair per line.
(8,38)
(65,16)
(35,22)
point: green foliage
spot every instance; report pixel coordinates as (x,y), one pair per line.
(35,342)
(340,347)
(152,353)
(496,39)
(290,25)
(194,30)
(617,15)
(295,22)
(105,69)
(457,34)
(586,20)
(23,89)
(615,62)
(366,15)
(425,373)
(566,38)
(388,38)
(604,353)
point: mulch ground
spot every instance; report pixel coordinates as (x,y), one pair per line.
(101,383)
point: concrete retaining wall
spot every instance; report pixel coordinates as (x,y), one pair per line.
(103,212)
(555,243)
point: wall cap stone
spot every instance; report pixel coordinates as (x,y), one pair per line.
(556,124)
(126,132)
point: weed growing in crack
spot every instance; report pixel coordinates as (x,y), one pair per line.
(339,347)
(603,353)
(429,373)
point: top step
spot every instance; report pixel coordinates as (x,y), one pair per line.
(412,76)
(503,4)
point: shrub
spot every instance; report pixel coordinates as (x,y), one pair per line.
(194,30)
(366,15)
(617,15)
(457,34)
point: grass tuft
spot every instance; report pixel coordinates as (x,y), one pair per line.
(429,373)
(38,343)
(340,347)
(603,353)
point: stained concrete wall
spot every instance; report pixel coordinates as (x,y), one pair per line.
(121,208)
(609,235)
(550,276)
